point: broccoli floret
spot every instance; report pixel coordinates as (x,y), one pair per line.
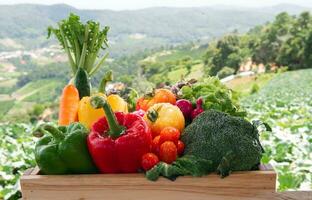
(231,143)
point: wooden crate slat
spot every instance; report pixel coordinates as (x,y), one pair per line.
(239,185)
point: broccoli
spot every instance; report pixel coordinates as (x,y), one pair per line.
(231,143)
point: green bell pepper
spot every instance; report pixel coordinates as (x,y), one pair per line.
(63,150)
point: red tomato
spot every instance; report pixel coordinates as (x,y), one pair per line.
(180,147)
(149,160)
(156,145)
(168,152)
(169,134)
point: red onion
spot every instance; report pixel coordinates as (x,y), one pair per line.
(199,108)
(186,107)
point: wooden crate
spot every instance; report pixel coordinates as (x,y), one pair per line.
(239,185)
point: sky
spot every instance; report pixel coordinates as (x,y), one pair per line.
(138,4)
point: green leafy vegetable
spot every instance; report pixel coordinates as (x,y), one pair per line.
(17,147)
(285,102)
(187,165)
(82,42)
(215,96)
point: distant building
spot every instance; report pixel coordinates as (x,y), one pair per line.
(251,66)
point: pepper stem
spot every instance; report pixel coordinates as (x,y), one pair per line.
(115,129)
(49,129)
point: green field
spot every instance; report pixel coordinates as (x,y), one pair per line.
(19,102)
(195,52)
(285,103)
(38,91)
(173,65)
(244,85)
(8,83)
(5,106)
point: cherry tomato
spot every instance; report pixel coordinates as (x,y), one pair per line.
(169,134)
(168,152)
(149,160)
(180,147)
(156,145)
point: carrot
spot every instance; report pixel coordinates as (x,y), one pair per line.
(69,103)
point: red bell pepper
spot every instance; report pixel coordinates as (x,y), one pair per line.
(118,141)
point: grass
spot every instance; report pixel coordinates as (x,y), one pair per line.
(30,87)
(38,91)
(10,75)
(21,101)
(197,71)
(5,106)
(188,51)
(19,111)
(8,83)
(244,85)
(177,74)
(7,86)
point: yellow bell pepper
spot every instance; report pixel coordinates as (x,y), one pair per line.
(117,103)
(87,115)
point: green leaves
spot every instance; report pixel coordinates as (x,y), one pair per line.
(16,147)
(82,42)
(215,96)
(187,165)
(285,104)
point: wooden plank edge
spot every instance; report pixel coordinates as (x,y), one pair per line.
(28,171)
(35,171)
(263,168)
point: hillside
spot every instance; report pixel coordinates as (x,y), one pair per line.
(132,31)
(172,64)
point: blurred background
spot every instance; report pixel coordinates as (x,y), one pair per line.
(262,49)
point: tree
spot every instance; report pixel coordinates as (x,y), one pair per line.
(271,38)
(229,51)
(295,50)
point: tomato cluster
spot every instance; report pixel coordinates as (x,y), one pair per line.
(166,122)
(166,147)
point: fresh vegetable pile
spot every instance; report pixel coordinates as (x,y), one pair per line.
(192,128)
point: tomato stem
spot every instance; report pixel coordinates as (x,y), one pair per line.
(152,115)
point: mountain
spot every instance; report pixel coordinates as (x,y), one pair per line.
(23,26)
